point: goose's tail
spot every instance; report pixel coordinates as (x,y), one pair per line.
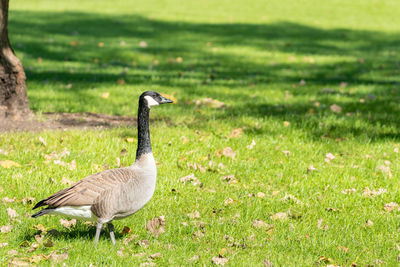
(42,212)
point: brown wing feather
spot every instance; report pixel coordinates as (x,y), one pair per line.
(87,190)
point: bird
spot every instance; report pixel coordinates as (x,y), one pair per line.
(116,193)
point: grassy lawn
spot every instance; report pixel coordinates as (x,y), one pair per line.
(315,84)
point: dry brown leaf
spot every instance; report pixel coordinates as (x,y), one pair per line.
(385,170)
(391,206)
(11,213)
(39,238)
(8,200)
(260,224)
(156,226)
(228,201)
(286,152)
(48,243)
(72,165)
(58,257)
(261,195)
(236,133)
(310,169)
(228,152)
(156,255)
(373,193)
(368,223)
(286,124)
(66,181)
(194,215)
(18,262)
(329,157)
(194,258)
(289,197)
(279,216)
(251,146)
(126,230)
(67,224)
(342,248)
(28,200)
(196,166)
(105,95)
(120,252)
(348,191)
(268,263)
(209,102)
(143,44)
(321,225)
(42,141)
(335,108)
(2,245)
(230,179)
(184,140)
(9,164)
(129,239)
(40,227)
(219,260)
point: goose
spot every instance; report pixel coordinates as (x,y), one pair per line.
(115,193)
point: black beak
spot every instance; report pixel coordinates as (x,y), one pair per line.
(165,100)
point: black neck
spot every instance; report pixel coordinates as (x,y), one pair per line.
(144,144)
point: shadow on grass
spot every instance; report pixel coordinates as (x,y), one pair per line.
(246,58)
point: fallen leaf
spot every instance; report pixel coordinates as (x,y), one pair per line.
(12,252)
(8,200)
(100,44)
(74,43)
(329,157)
(130,139)
(129,239)
(385,170)
(310,169)
(66,181)
(196,166)
(179,59)
(120,252)
(236,133)
(321,225)
(42,141)
(391,206)
(105,95)
(368,223)
(156,226)
(228,201)
(143,44)
(230,179)
(261,195)
(9,164)
(260,224)
(342,248)
(2,245)
(156,255)
(48,243)
(72,165)
(219,260)
(40,227)
(190,179)
(194,215)
(228,152)
(184,140)
(286,152)
(67,224)
(279,216)
(12,213)
(373,193)
(194,258)
(348,191)
(126,230)
(286,124)
(268,263)
(28,200)
(251,146)
(58,257)
(289,197)
(335,108)
(209,102)
(121,81)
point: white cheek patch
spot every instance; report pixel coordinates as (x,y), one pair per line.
(150,101)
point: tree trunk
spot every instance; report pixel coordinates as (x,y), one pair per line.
(14,103)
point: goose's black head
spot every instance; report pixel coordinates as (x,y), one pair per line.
(152,98)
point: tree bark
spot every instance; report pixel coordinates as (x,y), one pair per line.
(14,103)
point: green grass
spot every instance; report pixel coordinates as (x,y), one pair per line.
(253,57)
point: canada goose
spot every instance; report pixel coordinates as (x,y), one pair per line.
(112,194)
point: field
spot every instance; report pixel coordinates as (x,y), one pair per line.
(295,151)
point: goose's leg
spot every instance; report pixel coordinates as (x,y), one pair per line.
(98,230)
(111,229)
